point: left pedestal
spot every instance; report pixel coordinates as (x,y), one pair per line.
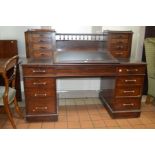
(40,93)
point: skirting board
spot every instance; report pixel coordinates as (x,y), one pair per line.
(78,93)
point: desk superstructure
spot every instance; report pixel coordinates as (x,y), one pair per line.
(67,55)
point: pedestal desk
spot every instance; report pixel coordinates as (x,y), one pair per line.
(70,56)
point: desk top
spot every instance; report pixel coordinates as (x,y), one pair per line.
(80,58)
(83,57)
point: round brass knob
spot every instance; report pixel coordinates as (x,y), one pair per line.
(120,70)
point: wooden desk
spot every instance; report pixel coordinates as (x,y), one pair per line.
(122,98)
(54,55)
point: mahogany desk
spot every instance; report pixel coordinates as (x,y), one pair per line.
(122,98)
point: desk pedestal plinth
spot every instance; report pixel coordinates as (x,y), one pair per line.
(119,113)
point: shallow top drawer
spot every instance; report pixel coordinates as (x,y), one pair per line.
(119,36)
(41,35)
(119,41)
(130,70)
(41,71)
(41,39)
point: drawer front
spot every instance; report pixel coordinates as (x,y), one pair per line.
(119,36)
(120,54)
(39,83)
(42,46)
(128,91)
(38,71)
(41,39)
(42,54)
(127,104)
(85,70)
(41,106)
(129,80)
(119,47)
(119,41)
(129,70)
(40,92)
(41,35)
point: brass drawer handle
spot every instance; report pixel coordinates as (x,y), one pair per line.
(119,47)
(40,95)
(39,71)
(131,70)
(43,47)
(120,36)
(120,70)
(128,70)
(42,35)
(39,83)
(120,42)
(42,54)
(119,53)
(128,91)
(40,108)
(42,41)
(130,80)
(128,104)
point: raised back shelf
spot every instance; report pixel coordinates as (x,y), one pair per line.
(81,36)
(43,43)
(80,42)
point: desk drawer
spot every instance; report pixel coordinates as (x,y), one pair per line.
(86,70)
(129,70)
(39,71)
(40,92)
(119,41)
(119,47)
(129,80)
(120,54)
(39,82)
(120,36)
(41,35)
(127,104)
(42,54)
(128,91)
(41,106)
(44,39)
(42,46)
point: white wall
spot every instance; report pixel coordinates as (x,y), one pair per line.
(16,33)
(71,29)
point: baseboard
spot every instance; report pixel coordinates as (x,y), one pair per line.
(78,93)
